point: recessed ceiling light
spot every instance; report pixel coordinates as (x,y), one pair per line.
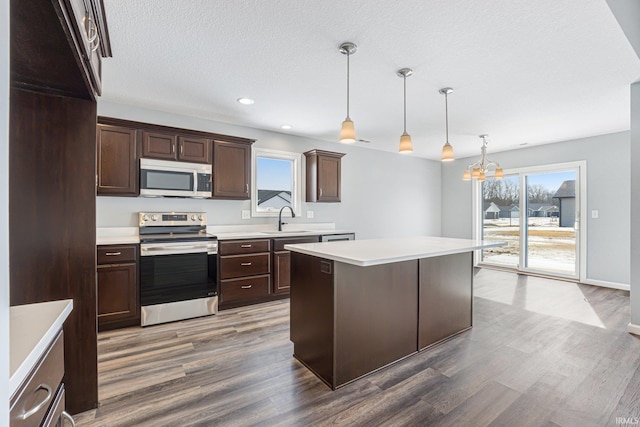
(245,101)
(286,127)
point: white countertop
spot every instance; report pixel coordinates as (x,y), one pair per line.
(384,251)
(129,235)
(32,327)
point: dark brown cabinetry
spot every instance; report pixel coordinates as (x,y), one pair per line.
(52,174)
(323,176)
(244,272)
(167,146)
(282,262)
(159,145)
(118,290)
(117,161)
(193,149)
(231,170)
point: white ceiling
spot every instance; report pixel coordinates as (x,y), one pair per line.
(524,72)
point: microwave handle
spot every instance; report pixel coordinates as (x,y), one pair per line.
(195,182)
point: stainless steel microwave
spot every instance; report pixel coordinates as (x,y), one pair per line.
(174,179)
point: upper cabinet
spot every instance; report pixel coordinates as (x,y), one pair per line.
(323,176)
(117,170)
(40,60)
(168,146)
(121,143)
(231,170)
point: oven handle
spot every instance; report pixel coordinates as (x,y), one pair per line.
(173,249)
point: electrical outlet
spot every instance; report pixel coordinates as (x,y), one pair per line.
(246,214)
(310,214)
(595,214)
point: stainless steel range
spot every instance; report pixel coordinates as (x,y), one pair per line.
(178,267)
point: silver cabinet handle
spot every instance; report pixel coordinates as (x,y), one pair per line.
(40,405)
(245,264)
(320,192)
(246,287)
(65,416)
(247,188)
(245,246)
(113,253)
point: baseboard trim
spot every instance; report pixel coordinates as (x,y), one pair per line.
(633,329)
(604,284)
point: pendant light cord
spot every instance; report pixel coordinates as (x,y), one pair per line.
(446,114)
(348,55)
(405,103)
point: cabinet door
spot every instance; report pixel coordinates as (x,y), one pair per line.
(328,179)
(159,145)
(231,170)
(117,294)
(117,165)
(281,272)
(194,149)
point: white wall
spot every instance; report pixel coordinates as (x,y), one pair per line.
(608,191)
(4,212)
(383,194)
(635,206)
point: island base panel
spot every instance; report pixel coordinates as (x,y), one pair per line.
(446,295)
(312,313)
(376,312)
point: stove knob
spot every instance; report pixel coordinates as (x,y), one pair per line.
(201,217)
(154,217)
(193,218)
(145,218)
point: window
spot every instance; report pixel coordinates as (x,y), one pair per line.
(276,182)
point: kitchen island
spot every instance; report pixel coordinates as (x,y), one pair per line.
(358,306)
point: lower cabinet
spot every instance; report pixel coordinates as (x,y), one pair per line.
(39,401)
(282,262)
(244,271)
(118,288)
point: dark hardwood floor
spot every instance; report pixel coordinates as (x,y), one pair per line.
(541,353)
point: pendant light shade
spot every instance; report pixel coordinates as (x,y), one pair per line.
(406,146)
(348,131)
(447,149)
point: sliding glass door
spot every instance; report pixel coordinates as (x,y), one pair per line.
(536,211)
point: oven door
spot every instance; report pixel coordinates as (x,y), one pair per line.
(176,272)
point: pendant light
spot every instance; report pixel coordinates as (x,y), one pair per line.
(447,149)
(406,146)
(348,132)
(479,169)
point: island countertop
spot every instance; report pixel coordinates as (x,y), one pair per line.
(384,251)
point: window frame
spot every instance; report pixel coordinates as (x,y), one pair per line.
(296,184)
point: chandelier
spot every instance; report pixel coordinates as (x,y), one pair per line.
(479,169)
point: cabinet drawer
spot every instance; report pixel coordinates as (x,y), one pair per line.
(244,289)
(244,265)
(237,247)
(40,387)
(113,254)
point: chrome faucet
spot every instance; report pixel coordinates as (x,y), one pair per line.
(280,223)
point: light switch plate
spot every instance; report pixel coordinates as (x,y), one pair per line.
(595,214)
(246,214)
(309,214)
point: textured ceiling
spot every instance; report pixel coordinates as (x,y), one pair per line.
(524,72)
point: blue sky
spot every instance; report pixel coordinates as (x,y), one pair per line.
(274,174)
(551,181)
